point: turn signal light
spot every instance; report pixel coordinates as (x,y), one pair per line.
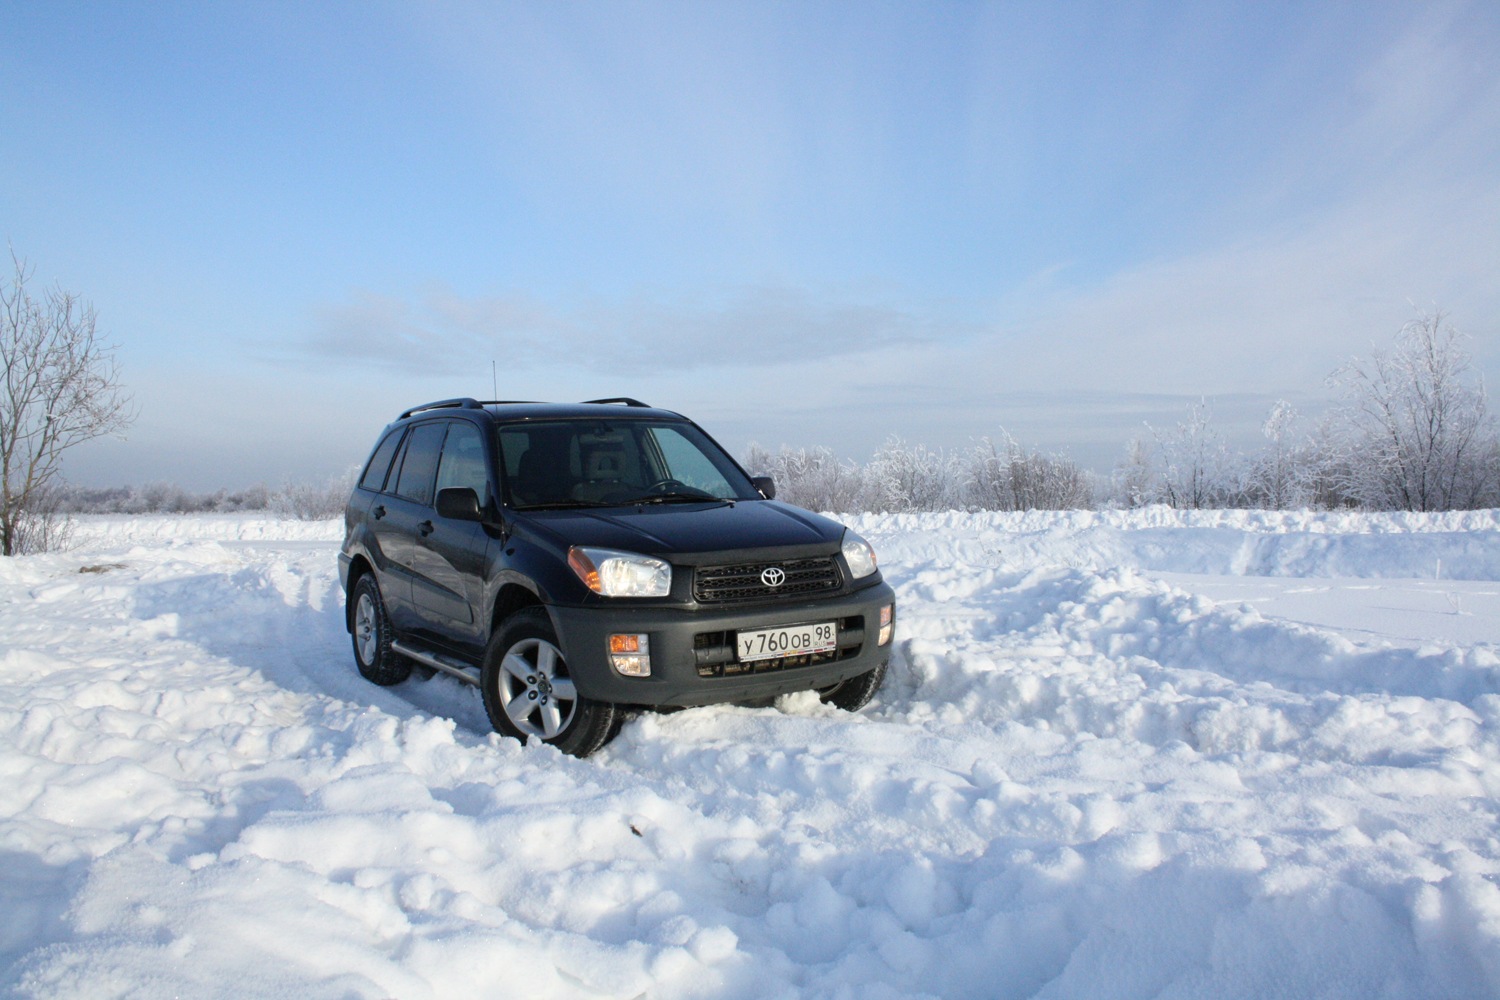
(630,654)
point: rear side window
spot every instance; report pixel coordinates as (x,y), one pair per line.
(419,465)
(380,463)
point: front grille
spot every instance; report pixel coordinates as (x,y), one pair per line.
(742,583)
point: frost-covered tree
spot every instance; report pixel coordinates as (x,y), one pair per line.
(1328,466)
(60,388)
(1280,477)
(1135,480)
(1418,432)
(1196,470)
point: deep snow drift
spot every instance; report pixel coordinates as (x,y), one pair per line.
(1118,755)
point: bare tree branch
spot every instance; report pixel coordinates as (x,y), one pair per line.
(60,388)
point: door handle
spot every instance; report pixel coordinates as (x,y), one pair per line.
(424,529)
(379,511)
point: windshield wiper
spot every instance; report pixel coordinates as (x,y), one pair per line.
(680,498)
(566,504)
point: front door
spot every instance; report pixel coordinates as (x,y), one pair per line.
(449,556)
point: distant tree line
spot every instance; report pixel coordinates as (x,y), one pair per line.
(1410,430)
(996,474)
(300,501)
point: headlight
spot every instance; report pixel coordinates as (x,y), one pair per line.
(859,555)
(620,574)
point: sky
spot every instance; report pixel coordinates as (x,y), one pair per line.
(798,223)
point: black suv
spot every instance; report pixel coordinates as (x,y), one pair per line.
(576,560)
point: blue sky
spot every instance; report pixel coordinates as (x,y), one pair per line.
(798,223)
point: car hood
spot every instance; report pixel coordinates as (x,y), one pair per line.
(684,530)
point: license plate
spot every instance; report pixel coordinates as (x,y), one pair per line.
(794,640)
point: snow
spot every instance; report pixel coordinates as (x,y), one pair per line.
(1119,754)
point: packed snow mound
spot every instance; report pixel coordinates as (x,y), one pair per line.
(1126,754)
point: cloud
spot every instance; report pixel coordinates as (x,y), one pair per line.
(443,331)
(1289,227)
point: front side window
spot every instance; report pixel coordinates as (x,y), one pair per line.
(463,462)
(685,461)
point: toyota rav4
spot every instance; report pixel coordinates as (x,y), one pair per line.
(577,561)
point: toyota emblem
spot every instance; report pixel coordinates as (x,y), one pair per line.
(773,576)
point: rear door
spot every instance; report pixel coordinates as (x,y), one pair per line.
(369,506)
(407,506)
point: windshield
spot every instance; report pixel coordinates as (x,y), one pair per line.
(586,463)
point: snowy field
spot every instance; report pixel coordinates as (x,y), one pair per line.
(1119,755)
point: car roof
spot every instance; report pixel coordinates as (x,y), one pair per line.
(511,412)
(507,411)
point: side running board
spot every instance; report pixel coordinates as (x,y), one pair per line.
(437,661)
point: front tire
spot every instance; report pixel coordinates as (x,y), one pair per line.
(528,690)
(855,693)
(372,637)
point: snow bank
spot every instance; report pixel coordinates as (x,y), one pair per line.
(1081,779)
(1459,545)
(96,530)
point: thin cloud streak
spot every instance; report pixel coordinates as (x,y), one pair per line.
(444,332)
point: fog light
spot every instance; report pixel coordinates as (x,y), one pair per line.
(887,614)
(630,654)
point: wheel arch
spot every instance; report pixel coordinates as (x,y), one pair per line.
(359,566)
(511,598)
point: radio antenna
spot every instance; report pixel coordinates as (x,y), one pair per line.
(494,381)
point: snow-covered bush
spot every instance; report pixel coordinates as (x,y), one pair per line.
(313,502)
(1005,476)
(42,526)
(812,478)
(906,477)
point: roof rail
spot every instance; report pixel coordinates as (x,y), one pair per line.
(620,399)
(462,403)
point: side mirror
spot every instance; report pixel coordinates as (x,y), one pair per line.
(459,503)
(766,485)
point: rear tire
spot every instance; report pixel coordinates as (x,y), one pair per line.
(528,690)
(855,693)
(372,637)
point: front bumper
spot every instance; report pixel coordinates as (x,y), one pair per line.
(692,650)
